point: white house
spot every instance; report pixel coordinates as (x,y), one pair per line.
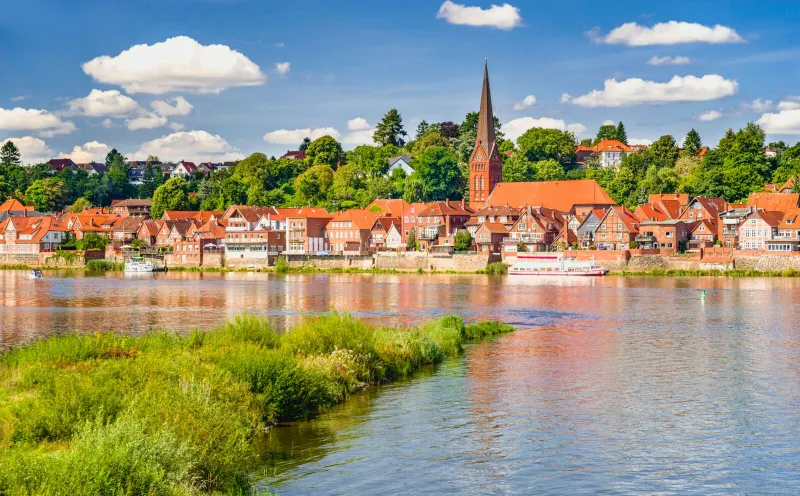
(394,240)
(401,162)
(183,169)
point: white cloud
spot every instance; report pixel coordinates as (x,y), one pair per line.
(103,103)
(710,115)
(164,109)
(176,126)
(528,101)
(640,141)
(515,128)
(146,121)
(609,122)
(34,120)
(637,91)
(283,68)
(791,103)
(92,151)
(361,132)
(198,146)
(32,150)
(280,44)
(758,105)
(358,124)
(677,60)
(668,33)
(784,122)
(505,17)
(295,136)
(565,98)
(177,64)
(19,98)
(107,123)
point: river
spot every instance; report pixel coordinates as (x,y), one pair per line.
(612,385)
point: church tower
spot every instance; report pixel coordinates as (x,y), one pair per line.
(485,165)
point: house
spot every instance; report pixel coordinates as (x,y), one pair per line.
(786,187)
(306,229)
(769,152)
(394,238)
(568,197)
(93,168)
(294,155)
(503,214)
(183,169)
(489,237)
(136,171)
(565,239)
(536,228)
(126,230)
(617,230)
(228,165)
(669,234)
(173,231)
(212,232)
(14,208)
(59,164)
(704,208)
(788,237)
(350,231)
(31,235)
(703,234)
(586,230)
(256,244)
(148,230)
(132,207)
(249,218)
(393,206)
(609,151)
(411,218)
(774,202)
(757,228)
(402,162)
(728,225)
(80,224)
(451,215)
(380,230)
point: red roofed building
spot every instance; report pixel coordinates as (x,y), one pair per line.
(379,233)
(31,235)
(609,151)
(536,228)
(759,227)
(148,230)
(777,202)
(133,206)
(568,197)
(442,219)
(485,164)
(183,169)
(489,237)
(617,230)
(411,219)
(59,164)
(14,208)
(295,154)
(350,231)
(306,229)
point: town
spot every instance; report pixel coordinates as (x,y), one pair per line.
(498,213)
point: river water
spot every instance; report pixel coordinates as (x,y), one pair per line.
(611,385)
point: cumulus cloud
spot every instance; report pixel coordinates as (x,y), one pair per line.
(791,103)
(361,132)
(107,123)
(709,115)
(19,98)
(92,151)
(199,146)
(103,103)
(609,122)
(565,98)
(295,136)
(32,150)
(528,101)
(515,128)
(46,122)
(282,68)
(176,126)
(177,64)
(637,91)
(668,33)
(783,122)
(146,121)
(164,109)
(640,141)
(505,17)
(758,105)
(358,124)
(677,60)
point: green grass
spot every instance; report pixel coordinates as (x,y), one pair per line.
(708,273)
(495,268)
(104,265)
(169,414)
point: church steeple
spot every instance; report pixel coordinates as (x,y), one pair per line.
(485,165)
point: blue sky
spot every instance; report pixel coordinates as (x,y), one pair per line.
(349,62)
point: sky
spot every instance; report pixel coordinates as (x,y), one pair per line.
(220,79)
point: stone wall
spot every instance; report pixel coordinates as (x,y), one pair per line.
(31,259)
(413,261)
(361,262)
(249,263)
(213,259)
(766,263)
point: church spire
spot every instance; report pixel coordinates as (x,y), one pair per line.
(485,134)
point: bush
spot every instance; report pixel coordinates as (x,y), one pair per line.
(281,265)
(104,266)
(496,268)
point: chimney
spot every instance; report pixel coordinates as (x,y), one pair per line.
(462,203)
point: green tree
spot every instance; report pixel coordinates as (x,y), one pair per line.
(518,168)
(622,136)
(606,131)
(506,146)
(172,195)
(664,150)
(549,170)
(541,144)
(414,189)
(372,160)
(692,143)
(347,182)
(623,187)
(9,154)
(397,180)
(745,167)
(79,205)
(152,177)
(437,168)
(313,185)
(390,130)
(112,156)
(422,128)
(46,195)
(411,242)
(305,144)
(463,241)
(325,151)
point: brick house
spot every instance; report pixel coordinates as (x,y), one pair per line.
(126,230)
(489,237)
(701,208)
(503,214)
(757,228)
(380,230)
(31,235)
(586,230)
(130,207)
(350,231)
(617,230)
(670,234)
(704,234)
(452,216)
(148,230)
(255,244)
(411,219)
(537,228)
(173,231)
(306,229)
(788,237)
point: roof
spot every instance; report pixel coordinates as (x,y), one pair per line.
(682,198)
(94,166)
(494,227)
(498,210)
(626,216)
(251,213)
(609,145)
(179,214)
(559,195)
(129,224)
(38,227)
(182,226)
(396,207)
(132,202)
(791,219)
(59,164)
(305,212)
(772,218)
(298,154)
(780,202)
(404,158)
(414,209)
(566,235)
(445,208)
(709,226)
(152,226)
(360,217)
(213,228)
(650,212)
(386,221)
(15,205)
(712,205)
(485,133)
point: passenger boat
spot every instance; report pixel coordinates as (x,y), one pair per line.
(138,265)
(35,274)
(554,264)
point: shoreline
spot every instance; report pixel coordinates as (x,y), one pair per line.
(179,414)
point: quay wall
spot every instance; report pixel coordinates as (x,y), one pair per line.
(414,261)
(361,262)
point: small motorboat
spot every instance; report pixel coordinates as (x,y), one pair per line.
(35,274)
(138,265)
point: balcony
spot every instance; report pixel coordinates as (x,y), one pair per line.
(645,239)
(428,235)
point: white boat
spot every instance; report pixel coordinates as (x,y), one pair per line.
(35,274)
(137,265)
(554,264)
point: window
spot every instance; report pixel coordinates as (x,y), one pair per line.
(482,183)
(702,228)
(669,234)
(619,235)
(669,245)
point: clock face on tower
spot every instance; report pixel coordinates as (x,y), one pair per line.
(480,157)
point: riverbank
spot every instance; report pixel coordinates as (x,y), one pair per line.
(170,414)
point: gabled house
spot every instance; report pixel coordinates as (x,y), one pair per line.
(103,225)
(131,207)
(704,208)
(452,216)
(489,237)
(586,230)
(306,229)
(173,231)
(411,219)
(295,155)
(183,169)
(502,214)
(609,151)
(31,235)
(380,230)
(402,162)
(617,230)
(669,234)
(148,231)
(758,228)
(536,228)
(394,239)
(93,168)
(350,231)
(14,208)
(126,230)
(207,168)
(565,239)
(59,164)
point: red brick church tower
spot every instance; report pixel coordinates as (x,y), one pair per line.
(485,165)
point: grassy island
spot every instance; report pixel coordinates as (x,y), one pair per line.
(169,414)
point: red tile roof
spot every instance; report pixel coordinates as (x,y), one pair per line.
(559,195)
(779,202)
(494,227)
(444,208)
(298,154)
(396,207)
(361,218)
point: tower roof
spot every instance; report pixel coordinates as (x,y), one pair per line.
(485,134)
